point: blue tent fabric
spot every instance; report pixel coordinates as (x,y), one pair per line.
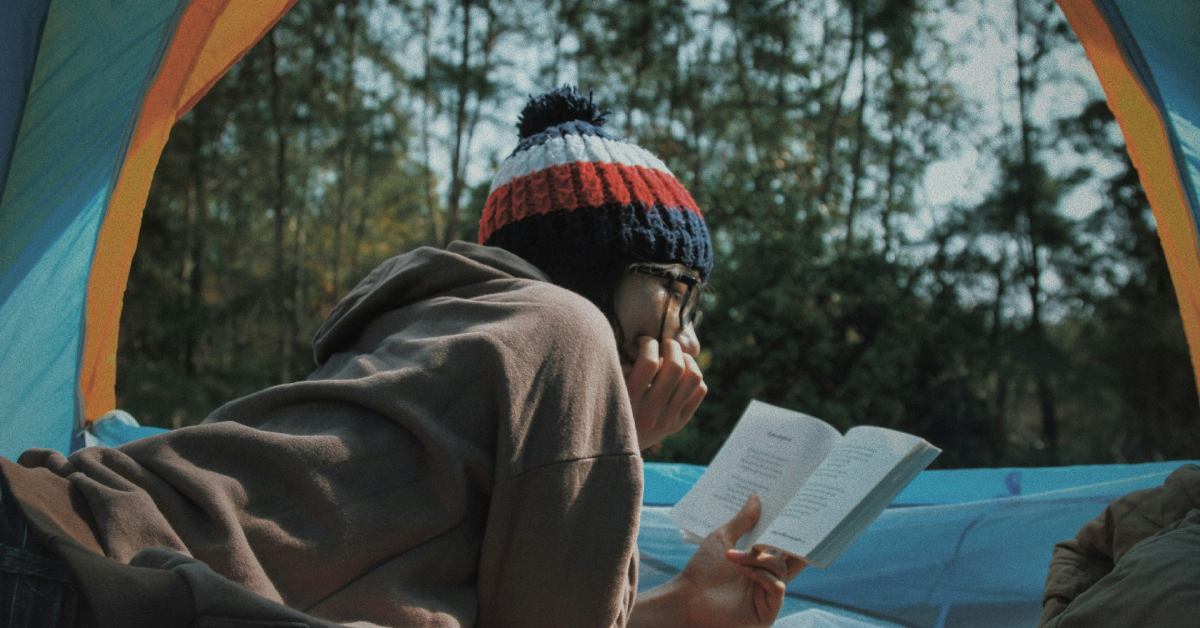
(117,428)
(60,166)
(965,547)
(1164,35)
(958,547)
(20,35)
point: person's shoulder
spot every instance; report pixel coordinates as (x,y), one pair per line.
(545,327)
(553,309)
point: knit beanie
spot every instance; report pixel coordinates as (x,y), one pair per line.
(576,201)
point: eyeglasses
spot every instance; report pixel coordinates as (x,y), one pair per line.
(688,301)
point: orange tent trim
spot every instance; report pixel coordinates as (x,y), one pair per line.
(1148,143)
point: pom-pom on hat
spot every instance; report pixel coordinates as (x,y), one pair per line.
(575,201)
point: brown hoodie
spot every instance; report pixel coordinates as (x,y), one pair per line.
(463,454)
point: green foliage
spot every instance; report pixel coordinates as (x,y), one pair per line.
(1006,331)
(285,185)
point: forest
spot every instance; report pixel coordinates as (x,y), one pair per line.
(1021,314)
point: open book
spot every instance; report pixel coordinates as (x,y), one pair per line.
(819,489)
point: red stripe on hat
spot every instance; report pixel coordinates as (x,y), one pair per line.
(581,184)
(686,196)
(637,185)
(615,190)
(562,187)
(662,187)
(515,199)
(488,219)
(537,193)
(589,183)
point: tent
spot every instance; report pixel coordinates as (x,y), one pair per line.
(88,95)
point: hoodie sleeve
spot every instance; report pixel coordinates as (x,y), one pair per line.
(560,543)
(560,547)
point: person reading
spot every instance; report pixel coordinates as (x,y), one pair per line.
(466,452)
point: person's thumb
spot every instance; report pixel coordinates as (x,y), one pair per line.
(743,521)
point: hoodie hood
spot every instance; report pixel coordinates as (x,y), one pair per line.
(412,277)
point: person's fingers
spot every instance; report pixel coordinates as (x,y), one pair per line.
(765,579)
(689,380)
(759,559)
(767,596)
(740,558)
(654,405)
(675,418)
(794,566)
(774,562)
(742,522)
(785,566)
(644,369)
(755,557)
(665,386)
(667,378)
(693,404)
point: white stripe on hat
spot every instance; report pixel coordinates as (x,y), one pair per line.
(557,151)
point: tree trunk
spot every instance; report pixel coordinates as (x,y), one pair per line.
(897,93)
(996,349)
(426,107)
(889,204)
(1030,209)
(283,340)
(860,138)
(831,126)
(457,159)
(197,243)
(346,155)
(558,33)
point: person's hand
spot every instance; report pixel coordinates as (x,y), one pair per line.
(665,388)
(722,586)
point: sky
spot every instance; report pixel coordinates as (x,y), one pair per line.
(985,33)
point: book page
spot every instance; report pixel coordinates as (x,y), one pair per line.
(869,508)
(770,452)
(860,462)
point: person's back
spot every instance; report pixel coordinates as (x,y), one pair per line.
(459,399)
